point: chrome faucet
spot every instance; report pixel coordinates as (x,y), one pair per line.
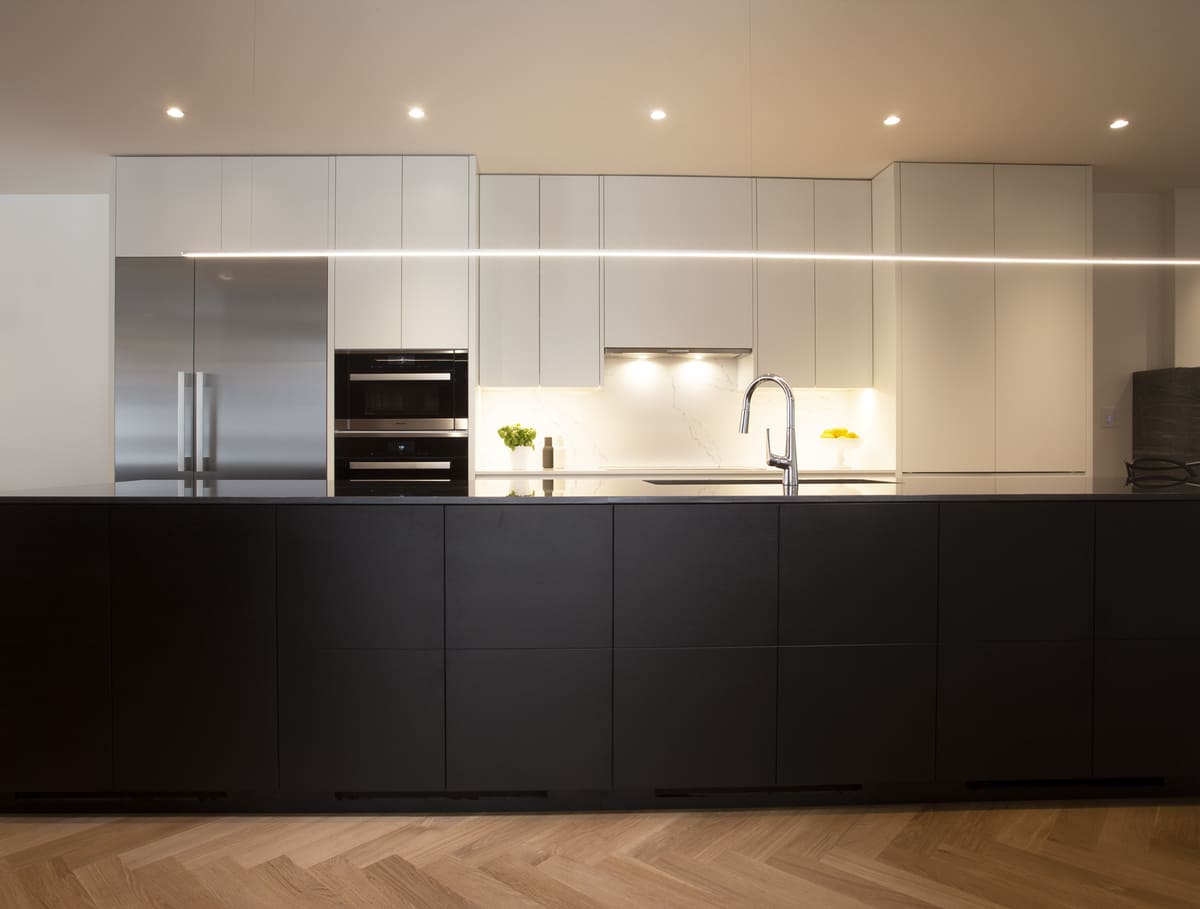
(787,461)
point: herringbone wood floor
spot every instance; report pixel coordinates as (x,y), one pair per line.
(1124,855)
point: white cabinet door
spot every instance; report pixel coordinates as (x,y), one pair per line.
(678,302)
(436,216)
(844,348)
(571,351)
(786,326)
(237,195)
(508,288)
(368,199)
(167,205)
(1041,319)
(289,204)
(947,331)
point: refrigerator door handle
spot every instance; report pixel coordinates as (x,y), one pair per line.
(201,438)
(183,460)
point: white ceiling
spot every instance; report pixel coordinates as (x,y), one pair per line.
(770,87)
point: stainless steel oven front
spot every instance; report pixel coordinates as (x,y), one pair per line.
(400,390)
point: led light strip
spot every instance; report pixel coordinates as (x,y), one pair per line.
(767,255)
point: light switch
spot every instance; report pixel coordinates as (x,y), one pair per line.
(1108,418)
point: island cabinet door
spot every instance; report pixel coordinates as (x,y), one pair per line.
(519,720)
(857,714)
(696,575)
(1148,639)
(55,695)
(361,667)
(694,718)
(193,627)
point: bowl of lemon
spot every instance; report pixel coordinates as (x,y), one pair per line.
(844,442)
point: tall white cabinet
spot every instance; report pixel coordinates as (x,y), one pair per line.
(539,318)
(815,319)
(993,359)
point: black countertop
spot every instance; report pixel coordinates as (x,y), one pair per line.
(623,489)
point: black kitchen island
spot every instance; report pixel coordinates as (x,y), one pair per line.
(256,653)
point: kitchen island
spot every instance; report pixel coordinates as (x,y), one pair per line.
(273,650)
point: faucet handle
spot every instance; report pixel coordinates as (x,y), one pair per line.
(774,460)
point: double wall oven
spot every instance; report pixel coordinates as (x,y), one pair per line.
(400,422)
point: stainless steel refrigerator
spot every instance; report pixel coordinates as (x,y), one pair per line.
(220,369)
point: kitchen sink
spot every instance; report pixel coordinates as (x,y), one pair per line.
(764,481)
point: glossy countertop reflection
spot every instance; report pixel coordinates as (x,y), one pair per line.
(625,488)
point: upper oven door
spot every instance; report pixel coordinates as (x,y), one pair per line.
(401,390)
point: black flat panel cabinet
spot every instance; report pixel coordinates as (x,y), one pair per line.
(354,576)
(696,575)
(362,721)
(696,718)
(521,576)
(55,695)
(1147,705)
(1015,711)
(1016,571)
(857,714)
(858,573)
(193,625)
(1146,579)
(528,720)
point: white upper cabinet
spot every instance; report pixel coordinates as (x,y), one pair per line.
(436,215)
(842,224)
(368,206)
(508,288)
(787,329)
(947,320)
(167,205)
(570,343)
(539,319)
(273,203)
(1042,323)
(678,302)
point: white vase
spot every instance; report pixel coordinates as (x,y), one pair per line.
(522,457)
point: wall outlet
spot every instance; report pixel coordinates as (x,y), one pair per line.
(1108,418)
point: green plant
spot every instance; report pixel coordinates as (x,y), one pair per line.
(516,435)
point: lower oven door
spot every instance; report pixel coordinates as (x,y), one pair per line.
(400,465)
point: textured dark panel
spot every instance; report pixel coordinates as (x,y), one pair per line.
(826,596)
(855,714)
(1016,571)
(696,575)
(694,718)
(528,719)
(1015,711)
(520,576)
(1166,413)
(355,576)
(362,721)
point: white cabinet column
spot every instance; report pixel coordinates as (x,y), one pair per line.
(570,313)
(786,325)
(508,288)
(436,216)
(842,224)
(165,205)
(1042,325)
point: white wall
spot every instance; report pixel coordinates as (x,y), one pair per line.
(1187,280)
(677,412)
(1134,319)
(55,341)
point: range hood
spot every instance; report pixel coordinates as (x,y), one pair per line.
(643,353)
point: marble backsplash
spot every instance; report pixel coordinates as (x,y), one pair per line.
(679,412)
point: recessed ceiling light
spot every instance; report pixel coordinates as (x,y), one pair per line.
(416,113)
(891,120)
(1118,123)
(658,114)
(175,113)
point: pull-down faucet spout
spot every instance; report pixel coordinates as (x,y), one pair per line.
(787,461)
